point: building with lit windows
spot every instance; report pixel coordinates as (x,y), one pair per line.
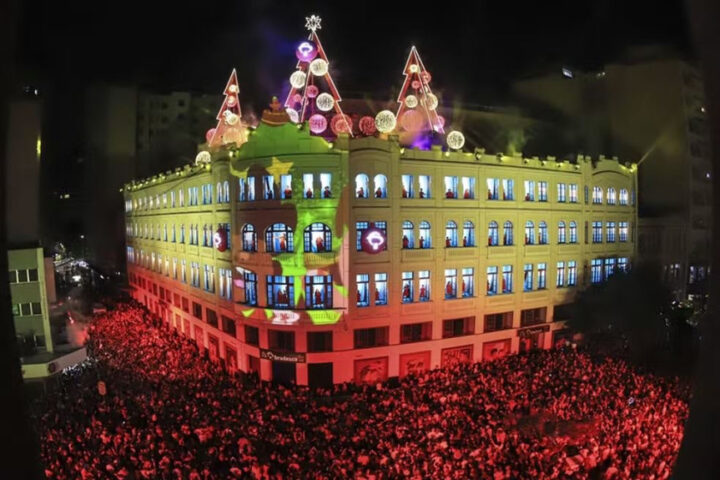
(358,260)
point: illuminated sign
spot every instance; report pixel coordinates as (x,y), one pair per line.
(373,240)
(306,51)
(284,317)
(288,357)
(220,240)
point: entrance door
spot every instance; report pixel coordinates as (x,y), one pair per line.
(283,373)
(320,375)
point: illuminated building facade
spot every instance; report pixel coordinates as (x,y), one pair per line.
(312,262)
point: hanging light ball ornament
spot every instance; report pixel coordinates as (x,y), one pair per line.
(293,114)
(318,67)
(341,123)
(385,121)
(414,68)
(318,123)
(411,101)
(312,91)
(233,89)
(232,100)
(306,51)
(203,157)
(415,84)
(455,140)
(297,98)
(367,126)
(230,117)
(232,135)
(325,102)
(431,101)
(297,79)
(209,134)
(426,77)
(411,121)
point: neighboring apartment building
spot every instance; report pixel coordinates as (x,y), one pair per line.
(358,260)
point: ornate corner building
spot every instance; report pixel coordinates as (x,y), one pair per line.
(314,262)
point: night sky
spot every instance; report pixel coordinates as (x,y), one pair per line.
(473,49)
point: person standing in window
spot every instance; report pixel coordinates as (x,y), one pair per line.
(422,242)
(319,244)
(422,193)
(326,192)
(448,244)
(404,192)
(466,194)
(449,193)
(288,192)
(405,242)
(361,192)
(406,292)
(423,292)
(309,193)
(283,243)
(378,192)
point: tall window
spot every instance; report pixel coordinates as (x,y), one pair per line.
(529,233)
(248,283)
(360,227)
(468,187)
(573,232)
(542,191)
(249,238)
(561,192)
(610,232)
(424,231)
(207,194)
(597,232)
(424,186)
(542,233)
(380,186)
(242,190)
(318,291)
(450,283)
(407,287)
(226,192)
(587,193)
(597,195)
(468,282)
(279,238)
(326,185)
(508,233)
(225,279)
(451,187)
(573,192)
(250,189)
(622,264)
(560,277)
(362,186)
(209,278)
(174,234)
(451,234)
(508,185)
(195,274)
(561,232)
(528,277)
(623,231)
(572,274)
(408,235)
(609,267)
(596,270)
(492,233)
(280,291)
(268,187)
(492,280)
(224,228)
(286,187)
(542,276)
(172,199)
(308,185)
(407,186)
(318,238)
(424,285)
(507,279)
(381,289)
(493,188)
(623,196)
(219,192)
(469,234)
(183,271)
(529,190)
(362,280)
(611,196)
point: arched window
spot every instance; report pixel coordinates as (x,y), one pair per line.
(542,233)
(318,238)
(468,234)
(492,233)
(623,196)
(611,196)
(380,187)
(279,238)
(573,232)
(226,191)
(219,193)
(424,233)
(561,232)
(249,238)
(508,233)
(451,234)
(362,185)
(529,233)
(408,235)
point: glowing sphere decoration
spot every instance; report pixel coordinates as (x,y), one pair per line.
(455,140)
(426,77)
(233,89)
(367,126)
(312,91)
(373,240)
(203,157)
(209,134)
(297,79)
(306,51)
(341,123)
(318,123)
(230,117)
(414,68)
(431,101)
(293,114)
(411,101)
(231,100)
(220,240)
(411,121)
(319,67)
(325,102)
(297,98)
(385,121)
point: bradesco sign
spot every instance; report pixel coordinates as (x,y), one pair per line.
(288,357)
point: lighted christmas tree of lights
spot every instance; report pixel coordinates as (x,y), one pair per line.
(230,128)
(417,111)
(305,101)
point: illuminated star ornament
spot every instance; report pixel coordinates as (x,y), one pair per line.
(312,23)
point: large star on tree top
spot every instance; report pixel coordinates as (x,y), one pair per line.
(312,23)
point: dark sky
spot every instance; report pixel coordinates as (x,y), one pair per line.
(472,48)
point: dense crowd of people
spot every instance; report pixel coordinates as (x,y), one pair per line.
(169,413)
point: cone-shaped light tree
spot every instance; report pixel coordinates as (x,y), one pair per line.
(230,128)
(417,112)
(313,96)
